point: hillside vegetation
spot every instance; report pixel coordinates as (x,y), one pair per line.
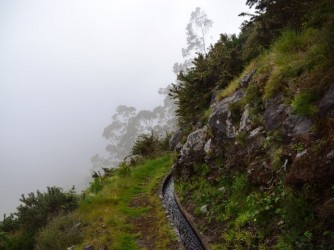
(253,159)
(258,138)
(120,210)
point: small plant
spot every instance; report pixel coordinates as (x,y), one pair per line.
(236,109)
(241,137)
(303,106)
(298,147)
(276,157)
(96,185)
(229,89)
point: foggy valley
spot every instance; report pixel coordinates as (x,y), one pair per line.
(65,68)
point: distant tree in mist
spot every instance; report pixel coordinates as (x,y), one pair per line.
(196,34)
(197,29)
(128,123)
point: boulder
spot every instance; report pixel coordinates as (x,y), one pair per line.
(275,113)
(296,125)
(279,116)
(193,149)
(223,104)
(245,122)
(175,139)
(255,140)
(326,106)
(220,121)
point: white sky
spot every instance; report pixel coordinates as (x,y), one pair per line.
(65,65)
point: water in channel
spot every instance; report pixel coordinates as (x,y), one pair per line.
(187,234)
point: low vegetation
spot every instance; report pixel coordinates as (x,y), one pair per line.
(121,209)
(127,213)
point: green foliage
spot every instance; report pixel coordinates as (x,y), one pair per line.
(303,104)
(298,147)
(123,171)
(292,56)
(37,208)
(150,145)
(96,185)
(236,109)
(210,72)
(271,17)
(34,213)
(60,233)
(9,223)
(241,137)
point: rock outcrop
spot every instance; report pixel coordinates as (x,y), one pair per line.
(326,106)
(220,122)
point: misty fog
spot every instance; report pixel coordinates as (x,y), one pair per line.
(65,65)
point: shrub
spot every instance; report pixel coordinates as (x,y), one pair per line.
(62,232)
(150,145)
(145,145)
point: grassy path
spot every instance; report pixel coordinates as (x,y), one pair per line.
(127,212)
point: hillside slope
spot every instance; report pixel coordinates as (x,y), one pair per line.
(256,164)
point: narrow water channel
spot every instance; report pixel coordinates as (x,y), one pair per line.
(187,234)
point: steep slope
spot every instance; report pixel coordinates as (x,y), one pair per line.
(256,169)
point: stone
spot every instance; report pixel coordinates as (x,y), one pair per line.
(296,125)
(222,189)
(255,140)
(223,104)
(204,209)
(300,154)
(275,113)
(70,248)
(279,116)
(255,132)
(88,247)
(326,106)
(246,79)
(207,147)
(220,121)
(245,122)
(330,155)
(194,147)
(175,139)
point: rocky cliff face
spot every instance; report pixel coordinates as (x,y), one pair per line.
(268,143)
(247,142)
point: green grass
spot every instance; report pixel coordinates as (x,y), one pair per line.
(113,207)
(302,104)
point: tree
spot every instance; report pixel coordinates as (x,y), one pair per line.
(194,90)
(271,17)
(196,30)
(127,124)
